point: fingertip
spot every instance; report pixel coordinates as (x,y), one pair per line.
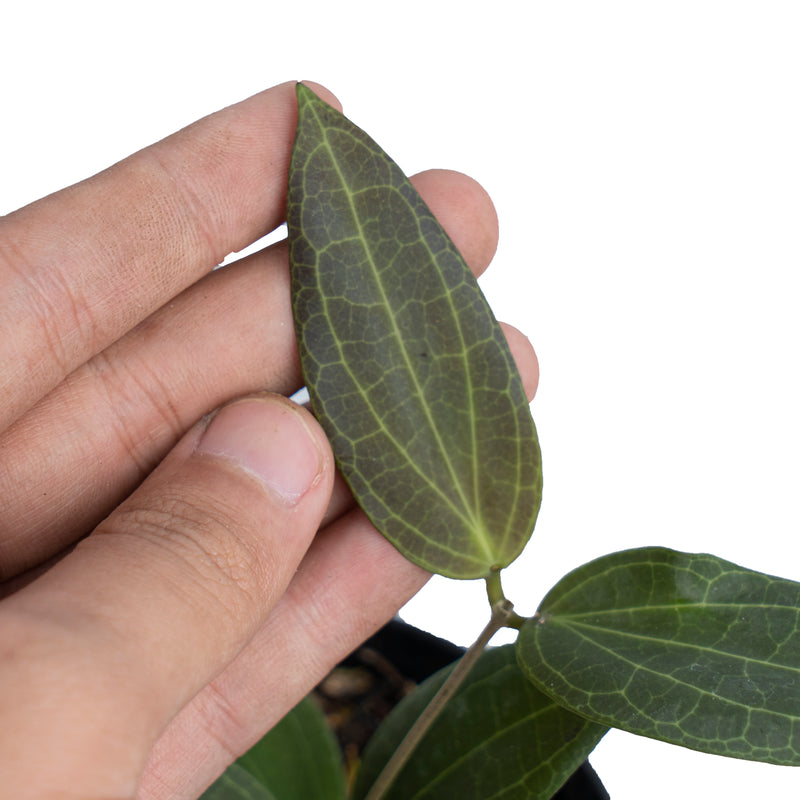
(525,358)
(466,212)
(274,440)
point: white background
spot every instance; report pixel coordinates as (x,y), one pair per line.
(644,161)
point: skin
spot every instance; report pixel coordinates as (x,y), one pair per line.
(174,580)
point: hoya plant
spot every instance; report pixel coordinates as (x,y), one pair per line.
(412,379)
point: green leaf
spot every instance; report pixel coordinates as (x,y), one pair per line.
(297,760)
(407,368)
(236,783)
(498,737)
(689,649)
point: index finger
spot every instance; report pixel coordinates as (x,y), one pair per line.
(80,268)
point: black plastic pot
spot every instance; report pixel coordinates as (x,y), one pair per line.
(369,683)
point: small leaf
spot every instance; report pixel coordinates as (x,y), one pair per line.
(407,368)
(497,737)
(297,760)
(688,649)
(236,783)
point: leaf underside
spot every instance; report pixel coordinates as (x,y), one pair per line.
(688,649)
(498,737)
(407,369)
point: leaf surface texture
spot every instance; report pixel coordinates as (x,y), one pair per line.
(686,648)
(407,368)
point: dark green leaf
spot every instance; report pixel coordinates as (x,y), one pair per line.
(498,737)
(407,368)
(297,760)
(689,649)
(236,783)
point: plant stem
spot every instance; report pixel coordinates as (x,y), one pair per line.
(502,611)
(494,589)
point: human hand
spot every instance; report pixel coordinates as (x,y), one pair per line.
(202,607)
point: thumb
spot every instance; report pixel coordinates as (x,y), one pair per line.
(111,643)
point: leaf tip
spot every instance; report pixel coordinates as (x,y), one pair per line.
(303,93)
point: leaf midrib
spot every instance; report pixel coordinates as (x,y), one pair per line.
(684,645)
(677,681)
(697,604)
(379,422)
